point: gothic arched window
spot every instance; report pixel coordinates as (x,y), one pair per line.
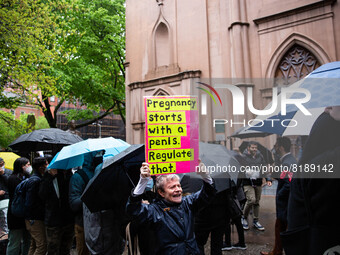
(295,65)
(162,45)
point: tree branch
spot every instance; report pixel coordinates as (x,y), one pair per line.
(121,114)
(56,109)
(121,65)
(9,121)
(107,112)
(48,113)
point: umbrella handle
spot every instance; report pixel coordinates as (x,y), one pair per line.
(129,178)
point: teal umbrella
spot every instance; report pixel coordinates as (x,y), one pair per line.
(73,155)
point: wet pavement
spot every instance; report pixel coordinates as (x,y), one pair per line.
(256,240)
(267,219)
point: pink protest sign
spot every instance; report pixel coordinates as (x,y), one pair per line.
(171,134)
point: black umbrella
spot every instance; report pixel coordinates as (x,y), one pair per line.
(223,167)
(111,187)
(44,139)
(267,155)
(190,182)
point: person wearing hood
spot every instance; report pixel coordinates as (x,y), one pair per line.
(171,216)
(78,184)
(252,184)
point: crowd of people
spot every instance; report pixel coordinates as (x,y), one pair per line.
(54,213)
(167,221)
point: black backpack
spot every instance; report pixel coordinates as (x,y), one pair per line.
(19,198)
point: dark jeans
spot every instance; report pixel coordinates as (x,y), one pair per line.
(18,242)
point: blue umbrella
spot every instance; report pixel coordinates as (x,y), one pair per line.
(324,87)
(73,155)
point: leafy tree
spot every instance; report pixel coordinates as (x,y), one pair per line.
(73,50)
(95,71)
(11,128)
(25,56)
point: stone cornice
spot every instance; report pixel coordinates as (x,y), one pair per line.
(166,79)
(300,9)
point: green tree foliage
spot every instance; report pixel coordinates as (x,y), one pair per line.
(24,55)
(11,128)
(95,70)
(28,35)
(70,49)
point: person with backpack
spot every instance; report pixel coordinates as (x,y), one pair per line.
(78,184)
(18,236)
(35,209)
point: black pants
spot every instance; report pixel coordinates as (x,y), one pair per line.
(216,241)
(239,228)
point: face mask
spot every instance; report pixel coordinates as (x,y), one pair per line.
(28,170)
(3,168)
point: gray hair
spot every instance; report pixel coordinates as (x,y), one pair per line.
(162,179)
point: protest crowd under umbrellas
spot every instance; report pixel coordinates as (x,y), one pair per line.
(105,196)
(144,129)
